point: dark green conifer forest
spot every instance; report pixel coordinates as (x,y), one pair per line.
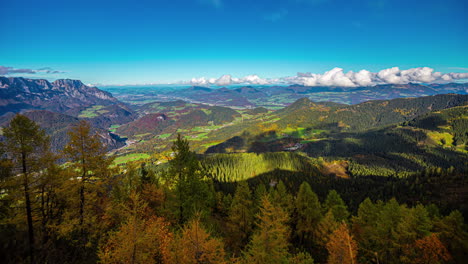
(78,206)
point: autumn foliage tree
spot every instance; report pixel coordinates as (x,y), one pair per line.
(89,167)
(341,247)
(428,250)
(27,144)
(194,245)
(142,238)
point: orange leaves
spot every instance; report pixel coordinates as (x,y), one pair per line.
(430,250)
(341,246)
(195,245)
(145,241)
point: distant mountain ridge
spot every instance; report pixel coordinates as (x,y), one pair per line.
(18,93)
(275,97)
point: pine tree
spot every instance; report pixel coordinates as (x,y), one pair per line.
(194,194)
(281,197)
(364,228)
(452,232)
(325,228)
(334,203)
(308,213)
(269,243)
(387,247)
(342,248)
(241,217)
(260,192)
(25,142)
(414,225)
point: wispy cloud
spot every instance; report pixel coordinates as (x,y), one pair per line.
(275,16)
(10,70)
(337,77)
(459,68)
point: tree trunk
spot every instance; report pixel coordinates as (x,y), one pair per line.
(351,255)
(28,209)
(82,202)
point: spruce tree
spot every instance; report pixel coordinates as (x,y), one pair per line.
(281,197)
(308,213)
(334,203)
(241,217)
(194,193)
(364,228)
(269,243)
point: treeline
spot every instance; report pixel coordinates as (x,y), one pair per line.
(87,211)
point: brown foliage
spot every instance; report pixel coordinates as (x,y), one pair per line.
(145,241)
(429,250)
(341,246)
(195,245)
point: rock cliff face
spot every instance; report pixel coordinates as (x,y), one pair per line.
(17,93)
(57,106)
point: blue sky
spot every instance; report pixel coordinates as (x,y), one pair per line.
(159,41)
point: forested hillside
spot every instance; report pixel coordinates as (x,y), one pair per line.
(281,207)
(376,182)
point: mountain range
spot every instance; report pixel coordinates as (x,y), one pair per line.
(276,97)
(316,127)
(58,105)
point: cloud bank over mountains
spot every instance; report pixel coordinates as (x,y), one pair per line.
(10,70)
(337,77)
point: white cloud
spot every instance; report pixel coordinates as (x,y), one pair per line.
(227,79)
(224,80)
(337,77)
(254,79)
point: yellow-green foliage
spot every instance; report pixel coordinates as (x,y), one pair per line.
(241,166)
(92,111)
(298,132)
(130,157)
(142,135)
(364,170)
(441,138)
(113,128)
(163,136)
(196,137)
